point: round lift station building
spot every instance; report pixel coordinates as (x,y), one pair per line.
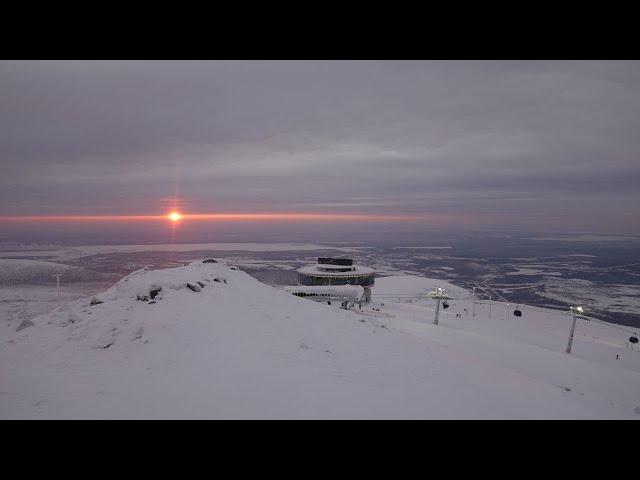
(337,271)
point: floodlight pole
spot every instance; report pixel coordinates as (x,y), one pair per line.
(473,303)
(573,326)
(58,275)
(435,321)
(438,294)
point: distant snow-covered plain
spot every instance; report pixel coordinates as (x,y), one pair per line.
(66,253)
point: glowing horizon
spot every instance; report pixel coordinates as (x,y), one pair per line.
(175,216)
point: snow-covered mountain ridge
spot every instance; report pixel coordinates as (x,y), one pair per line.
(208,341)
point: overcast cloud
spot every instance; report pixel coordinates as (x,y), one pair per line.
(516,143)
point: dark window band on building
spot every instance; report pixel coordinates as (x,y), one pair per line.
(347,262)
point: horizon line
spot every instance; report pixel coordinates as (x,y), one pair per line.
(214,216)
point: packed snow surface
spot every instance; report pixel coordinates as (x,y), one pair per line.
(209,341)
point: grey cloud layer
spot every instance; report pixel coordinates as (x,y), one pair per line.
(520,139)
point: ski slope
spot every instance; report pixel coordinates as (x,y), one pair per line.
(214,342)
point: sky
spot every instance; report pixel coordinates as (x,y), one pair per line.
(511,145)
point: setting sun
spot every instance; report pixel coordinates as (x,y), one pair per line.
(174,216)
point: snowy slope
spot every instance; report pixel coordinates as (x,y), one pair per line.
(601,369)
(28,288)
(236,348)
(19,271)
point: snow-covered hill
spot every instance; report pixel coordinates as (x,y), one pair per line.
(209,341)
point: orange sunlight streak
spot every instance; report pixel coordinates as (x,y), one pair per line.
(175,216)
